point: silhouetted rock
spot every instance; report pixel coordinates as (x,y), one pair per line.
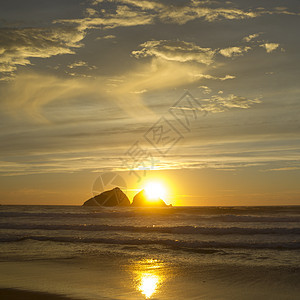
(114,197)
(141,200)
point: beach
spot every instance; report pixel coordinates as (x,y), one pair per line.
(172,253)
(10,294)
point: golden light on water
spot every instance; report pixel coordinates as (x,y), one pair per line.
(149,276)
(148,284)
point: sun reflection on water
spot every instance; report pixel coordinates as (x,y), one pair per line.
(148,284)
(149,275)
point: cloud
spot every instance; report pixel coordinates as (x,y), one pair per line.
(205,89)
(284,11)
(124,13)
(183,51)
(285,169)
(179,14)
(91,12)
(182,15)
(123,16)
(155,75)
(77,64)
(106,37)
(139,92)
(240,50)
(207,76)
(179,51)
(234,51)
(143,4)
(218,103)
(18,46)
(251,37)
(270,47)
(28,95)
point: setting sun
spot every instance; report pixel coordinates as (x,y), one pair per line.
(155,190)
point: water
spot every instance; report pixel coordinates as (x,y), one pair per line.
(239,235)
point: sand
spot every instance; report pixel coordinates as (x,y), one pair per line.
(14,294)
(143,277)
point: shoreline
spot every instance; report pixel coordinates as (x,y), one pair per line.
(80,279)
(18,294)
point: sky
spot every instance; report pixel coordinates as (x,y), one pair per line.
(202,96)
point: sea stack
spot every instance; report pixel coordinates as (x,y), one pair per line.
(114,197)
(141,200)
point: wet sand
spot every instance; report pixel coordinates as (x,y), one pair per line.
(15,294)
(145,277)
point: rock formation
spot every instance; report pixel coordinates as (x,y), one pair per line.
(114,197)
(141,200)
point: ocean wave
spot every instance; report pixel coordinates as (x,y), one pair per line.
(253,219)
(156,229)
(165,213)
(174,244)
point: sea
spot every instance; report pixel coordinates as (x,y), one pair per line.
(205,244)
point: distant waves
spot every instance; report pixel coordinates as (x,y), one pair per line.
(174,244)
(157,229)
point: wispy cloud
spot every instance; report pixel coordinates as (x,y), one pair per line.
(175,51)
(77,64)
(251,37)
(29,93)
(123,16)
(205,89)
(285,169)
(106,37)
(183,51)
(221,154)
(84,123)
(18,46)
(219,103)
(180,14)
(207,76)
(81,64)
(234,51)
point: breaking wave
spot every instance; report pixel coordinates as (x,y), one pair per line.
(156,229)
(167,213)
(174,244)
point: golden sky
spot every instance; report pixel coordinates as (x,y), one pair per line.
(202,95)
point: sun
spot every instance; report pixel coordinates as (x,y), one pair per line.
(155,190)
